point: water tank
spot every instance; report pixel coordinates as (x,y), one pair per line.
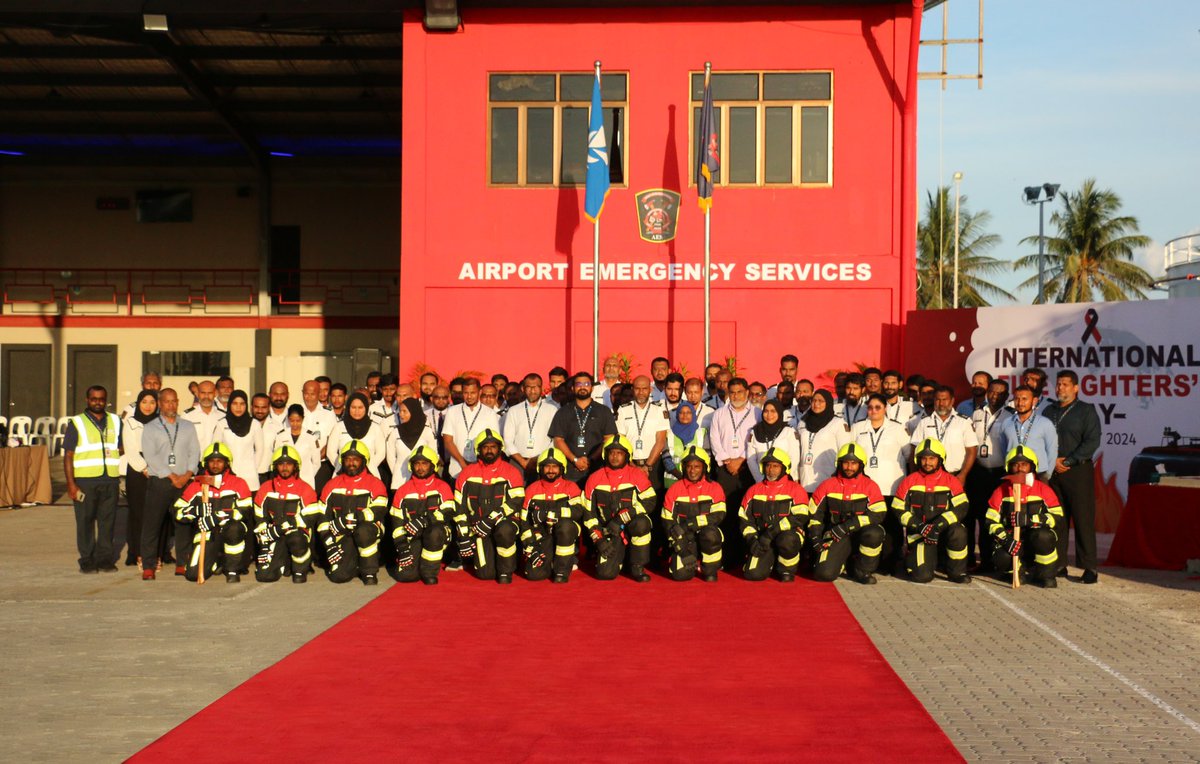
(1181,258)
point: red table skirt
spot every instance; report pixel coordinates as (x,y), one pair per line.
(1159,528)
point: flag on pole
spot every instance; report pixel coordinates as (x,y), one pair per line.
(707,159)
(597,157)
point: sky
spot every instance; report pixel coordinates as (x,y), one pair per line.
(1072,89)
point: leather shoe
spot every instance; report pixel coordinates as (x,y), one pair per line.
(1090,577)
(109,568)
(87,569)
(961,578)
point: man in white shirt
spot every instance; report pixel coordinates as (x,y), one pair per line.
(673,392)
(611,376)
(526,426)
(954,432)
(853,409)
(277,416)
(988,471)
(385,406)
(464,421)
(205,414)
(789,365)
(694,390)
(225,389)
(317,419)
(645,424)
(659,369)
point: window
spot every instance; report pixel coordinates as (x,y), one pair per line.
(187,363)
(538,126)
(773,128)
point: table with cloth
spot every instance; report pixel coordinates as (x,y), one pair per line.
(24,476)
(1160,526)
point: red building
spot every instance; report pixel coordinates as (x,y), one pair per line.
(813,220)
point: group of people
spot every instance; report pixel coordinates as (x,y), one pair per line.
(883,475)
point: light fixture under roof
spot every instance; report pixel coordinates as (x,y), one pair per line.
(155,22)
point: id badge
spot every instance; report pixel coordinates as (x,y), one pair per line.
(735,443)
(171,460)
(637,446)
(529,444)
(983,451)
(808,458)
(581,443)
(874,462)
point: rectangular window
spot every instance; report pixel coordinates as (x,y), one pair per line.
(187,363)
(538,127)
(773,128)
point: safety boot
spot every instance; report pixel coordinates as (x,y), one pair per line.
(370,580)
(640,575)
(299,578)
(504,578)
(232,577)
(787,578)
(960,578)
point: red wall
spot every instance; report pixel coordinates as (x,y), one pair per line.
(450,216)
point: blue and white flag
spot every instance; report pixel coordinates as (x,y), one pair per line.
(597,158)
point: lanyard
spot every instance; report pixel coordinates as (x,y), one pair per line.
(1023,428)
(875,441)
(582,421)
(474,419)
(941,432)
(987,428)
(1059,419)
(642,423)
(738,425)
(170,436)
(533,421)
(893,411)
(846,412)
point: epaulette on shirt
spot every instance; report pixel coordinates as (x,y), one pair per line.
(189,410)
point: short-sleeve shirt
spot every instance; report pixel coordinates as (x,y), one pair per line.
(955,434)
(598,422)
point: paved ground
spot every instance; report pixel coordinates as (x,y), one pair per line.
(97,666)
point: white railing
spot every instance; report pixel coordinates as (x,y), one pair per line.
(1181,250)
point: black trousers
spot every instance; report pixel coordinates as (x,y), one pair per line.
(158,512)
(636,547)
(223,549)
(135,494)
(706,544)
(981,483)
(284,556)
(558,546)
(1037,547)
(784,556)
(95,517)
(496,553)
(1076,489)
(360,553)
(861,550)
(921,559)
(426,548)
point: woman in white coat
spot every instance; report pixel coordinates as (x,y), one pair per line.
(302,440)
(357,424)
(772,432)
(243,435)
(405,438)
(820,435)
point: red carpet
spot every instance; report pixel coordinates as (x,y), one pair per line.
(591,671)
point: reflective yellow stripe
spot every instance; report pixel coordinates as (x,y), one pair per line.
(367,551)
(959,555)
(701,521)
(564,551)
(1046,559)
(302,558)
(714,557)
(479,549)
(920,554)
(506,551)
(434,556)
(869,551)
(640,540)
(789,560)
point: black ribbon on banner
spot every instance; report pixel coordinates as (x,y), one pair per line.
(1092,318)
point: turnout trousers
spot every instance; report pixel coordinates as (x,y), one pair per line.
(860,551)
(632,544)
(921,559)
(783,556)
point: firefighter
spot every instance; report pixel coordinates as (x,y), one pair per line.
(1038,518)
(218,504)
(421,508)
(930,505)
(772,518)
(550,518)
(351,525)
(692,512)
(281,507)
(845,520)
(619,502)
(487,499)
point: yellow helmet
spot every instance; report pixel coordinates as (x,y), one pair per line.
(285,452)
(852,451)
(778,455)
(552,454)
(616,441)
(1021,453)
(216,449)
(695,452)
(487,435)
(424,452)
(931,446)
(355,447)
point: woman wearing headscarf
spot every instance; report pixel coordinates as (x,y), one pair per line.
(820,436)
(145,410)
(685,432)
(357,424)
(302,440)
(404,439)
(772,432)
(243,434)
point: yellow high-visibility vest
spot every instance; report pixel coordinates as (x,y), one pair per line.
(96,454)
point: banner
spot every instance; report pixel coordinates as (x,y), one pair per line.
(1139,362)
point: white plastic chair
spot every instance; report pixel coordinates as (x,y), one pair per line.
(43,430)
(60,434)
(4,425)
(18,429)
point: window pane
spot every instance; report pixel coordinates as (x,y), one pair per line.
(778,146)
(727,87)
(521,87)
(574,145)
(796,86)
(504,145)
(184,363)
(814,144)
(743,138)
(539,146)
(615,133)
(696,139)
(578,87)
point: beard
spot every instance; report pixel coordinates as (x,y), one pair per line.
(582,394)
(489,458)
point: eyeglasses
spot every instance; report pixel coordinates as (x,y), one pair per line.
(876,407)
(583,384)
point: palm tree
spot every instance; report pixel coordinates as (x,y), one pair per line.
(935,255)
(1092,252)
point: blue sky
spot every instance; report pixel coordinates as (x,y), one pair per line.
(1072,89)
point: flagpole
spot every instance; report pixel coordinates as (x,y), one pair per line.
(596,284)
(707,262)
